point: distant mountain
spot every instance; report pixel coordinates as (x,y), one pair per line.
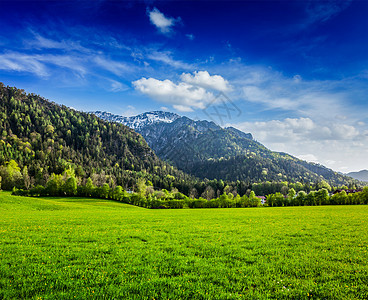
(207,150)
(361,175)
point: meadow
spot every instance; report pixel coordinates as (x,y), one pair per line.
(66,248)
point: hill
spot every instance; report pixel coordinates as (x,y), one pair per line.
(361,175)
(49,138)
(207,150)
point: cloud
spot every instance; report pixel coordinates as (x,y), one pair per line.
(297,78)
(318,11)
(183,96)
(130,111)
(325,116)
(273,91)
(297,129)
(192,92)
(336,145)
(22,63)
(308,157)
(115,67)
(73,63)
(205,80)
(117,86)
(166,58)
(272,98)
(42,64)
(164,24)
(38,64)
(40,42)
(190,36)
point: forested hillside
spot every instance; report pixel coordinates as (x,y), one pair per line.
(44,138)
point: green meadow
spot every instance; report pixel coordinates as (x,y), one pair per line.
(66,248)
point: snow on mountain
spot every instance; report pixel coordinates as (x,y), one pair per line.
(139,121)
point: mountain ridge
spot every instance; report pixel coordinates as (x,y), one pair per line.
(361,175)
(139,121)
(206,150)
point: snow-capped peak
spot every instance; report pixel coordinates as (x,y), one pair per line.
(139,121)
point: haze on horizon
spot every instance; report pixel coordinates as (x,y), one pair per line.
(296,71)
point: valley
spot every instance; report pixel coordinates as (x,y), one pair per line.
(197,150)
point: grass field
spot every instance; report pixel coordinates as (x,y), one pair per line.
(65,248)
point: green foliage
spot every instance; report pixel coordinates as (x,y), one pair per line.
(11,175)
(70,186)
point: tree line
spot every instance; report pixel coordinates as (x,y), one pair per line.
(320,197)
(145,195)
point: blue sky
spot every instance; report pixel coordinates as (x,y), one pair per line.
(293,73)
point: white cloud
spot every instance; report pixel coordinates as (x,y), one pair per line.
(205,80)
(40,42)
(117,86)
(130,111)
(336,145)
(115,67)
(271,90)
(192,92)
(73,63)
(166,58)
(183,108)
(293,129)
(37,64)
(22,63)
(308,157)
(182,96)
(162,22)
(40,64)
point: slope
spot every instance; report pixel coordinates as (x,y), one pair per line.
(50,138)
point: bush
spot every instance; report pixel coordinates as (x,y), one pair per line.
(175,203)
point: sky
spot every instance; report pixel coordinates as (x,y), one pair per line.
(293,73)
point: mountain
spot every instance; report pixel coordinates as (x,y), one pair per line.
(361,175)
(207,150)
(49,138)
(140,121)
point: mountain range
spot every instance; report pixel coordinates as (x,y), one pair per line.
(206,150)
(361,175)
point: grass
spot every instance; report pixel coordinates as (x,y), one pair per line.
(66,248)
